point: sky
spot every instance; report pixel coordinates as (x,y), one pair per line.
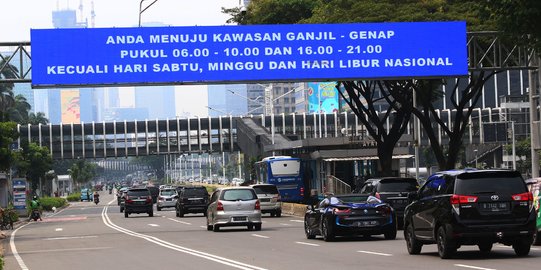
(19,16)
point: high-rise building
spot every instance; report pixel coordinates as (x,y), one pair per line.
(159,101)
(282,98)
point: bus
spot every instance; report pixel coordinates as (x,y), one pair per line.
(285,173)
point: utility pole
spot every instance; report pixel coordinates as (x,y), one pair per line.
(534,116)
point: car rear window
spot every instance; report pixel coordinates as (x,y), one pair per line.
(138,192)
(238,194)
(265,189)
(397,185)
(168,192)
(490,184)
(195,192)
(352,199)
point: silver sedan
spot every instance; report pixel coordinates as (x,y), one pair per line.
(234,206)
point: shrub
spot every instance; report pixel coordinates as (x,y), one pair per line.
(47,203)
(74,197)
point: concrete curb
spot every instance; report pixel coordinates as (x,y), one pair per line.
(294,209)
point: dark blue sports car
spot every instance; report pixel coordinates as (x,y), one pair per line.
(351,214)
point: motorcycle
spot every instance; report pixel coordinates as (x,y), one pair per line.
(35,214)
(96,200)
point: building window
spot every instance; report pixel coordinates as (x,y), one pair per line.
(286,110)
(286,100)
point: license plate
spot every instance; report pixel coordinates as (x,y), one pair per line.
(399,202)
(495,207)
(367,223)
(168,200)
(239,218)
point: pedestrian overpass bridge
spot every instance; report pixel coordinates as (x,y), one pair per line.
(322,135)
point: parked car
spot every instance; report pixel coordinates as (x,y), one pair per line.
(191,199)
(534,186)
(166,198)
(269,197)
(350,214)
(138,200)
(86,194)
(391,190)
(471,207)
(234,206)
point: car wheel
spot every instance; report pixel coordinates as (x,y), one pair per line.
(279,213)
(390,235)
(272,214)
(209,227)
(158,208)
(446,248)
(522,247)
(176,213)
(151,213)
(125,214)
(413,245)
(327,230)
(250,227)
(537,238)
(308,231)
(216,228)
(181,212)
(257,227)
(121,209)
(485,247)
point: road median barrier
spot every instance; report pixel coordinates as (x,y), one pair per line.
(294,209)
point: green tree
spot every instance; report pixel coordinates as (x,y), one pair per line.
(155,162)
(33,162)
(37,118)
(20,110)
(272,12)
(82,172)
(519,19)
(8,135)
(7,99)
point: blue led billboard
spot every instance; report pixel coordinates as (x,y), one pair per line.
(227,54)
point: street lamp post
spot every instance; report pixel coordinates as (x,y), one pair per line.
(475,151)
(141,10)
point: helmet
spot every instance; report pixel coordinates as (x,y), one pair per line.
(35,197)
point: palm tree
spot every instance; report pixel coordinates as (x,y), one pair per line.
(7,99)
(20,110)
(37,118)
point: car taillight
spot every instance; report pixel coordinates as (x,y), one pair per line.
(385,210)
(128,199)
(377,195)
(149,199)
(341,211)
(462,199)
(302,191)
(257,205)
(160,198)
(219,206)
(526,196)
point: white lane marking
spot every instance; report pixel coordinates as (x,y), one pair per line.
(71,237)
(307,244)
(296,220)
(154,225)
(179,221)
(473,267)
(211,257)
(260,236)
(14,249)
(509,247)
(285,224)
(374,253)
(64,250)
(58,229)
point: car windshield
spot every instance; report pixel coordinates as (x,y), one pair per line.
(195,192)
(138,193)
(168,192)
(265,189)
(238,195)
(397,186)
(355,199)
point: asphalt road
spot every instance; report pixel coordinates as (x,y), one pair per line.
(86,236)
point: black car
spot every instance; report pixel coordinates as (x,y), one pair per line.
(471,207)
(138,200)
(192,200)
(392,190)
(352,214)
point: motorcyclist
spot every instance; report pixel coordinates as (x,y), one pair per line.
(96,196)
(35,205)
